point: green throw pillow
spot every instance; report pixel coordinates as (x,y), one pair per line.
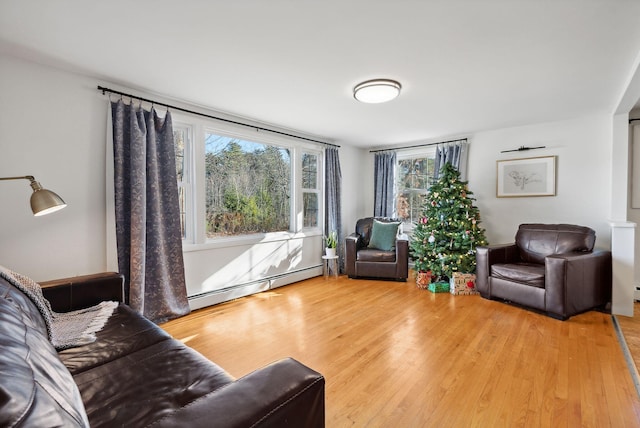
(383,235)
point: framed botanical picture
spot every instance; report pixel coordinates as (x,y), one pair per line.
(526,177)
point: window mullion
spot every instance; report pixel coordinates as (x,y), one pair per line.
(199,199)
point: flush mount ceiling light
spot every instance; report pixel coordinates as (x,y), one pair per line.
(376,91)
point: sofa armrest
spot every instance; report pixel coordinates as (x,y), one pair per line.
(69,294)
(353,239)
(351,244)
(488,255)
(402,256)
(285,393)
(576,282)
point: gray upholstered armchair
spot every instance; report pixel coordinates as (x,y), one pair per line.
(551,268)
(375,250)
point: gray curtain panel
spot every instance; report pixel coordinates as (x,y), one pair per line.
(332,192)
(384,176)
(147,212)
(454,153)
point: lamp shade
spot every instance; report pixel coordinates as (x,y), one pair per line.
(45,201)
(377,91)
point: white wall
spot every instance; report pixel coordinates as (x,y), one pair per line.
(236,269)
(52,126)
(583,151)
(357,186)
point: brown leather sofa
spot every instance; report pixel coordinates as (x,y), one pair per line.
(134,374)
(364,262)
(550,267)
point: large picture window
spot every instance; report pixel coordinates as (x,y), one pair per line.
(242,184)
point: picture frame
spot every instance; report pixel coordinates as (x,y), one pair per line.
(525,177)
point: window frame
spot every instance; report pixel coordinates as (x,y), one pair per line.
(187,179)
(197,239)
(317,190)
(428,152)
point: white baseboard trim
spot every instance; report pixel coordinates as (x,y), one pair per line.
(291,277)
(241,290)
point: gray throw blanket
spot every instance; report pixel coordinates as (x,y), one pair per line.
(65,330)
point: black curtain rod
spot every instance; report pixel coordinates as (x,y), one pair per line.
(417,145)
(259,128)
(633,120)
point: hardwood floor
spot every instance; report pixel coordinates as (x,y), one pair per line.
(395,355)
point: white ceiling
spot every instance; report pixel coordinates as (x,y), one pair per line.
(465,66)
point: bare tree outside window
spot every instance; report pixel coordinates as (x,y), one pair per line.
(248,187)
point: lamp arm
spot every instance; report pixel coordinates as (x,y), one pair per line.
(25,177)
(34,184)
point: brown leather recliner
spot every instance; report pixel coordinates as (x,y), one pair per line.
(364,262)
(551,268)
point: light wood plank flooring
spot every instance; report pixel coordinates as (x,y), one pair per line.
(397,356)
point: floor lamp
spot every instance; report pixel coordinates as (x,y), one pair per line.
(43,201)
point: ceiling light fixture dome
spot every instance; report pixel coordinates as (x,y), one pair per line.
(377,91)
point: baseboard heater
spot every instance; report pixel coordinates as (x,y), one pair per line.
(236,291)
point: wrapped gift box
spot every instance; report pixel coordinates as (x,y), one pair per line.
(463,284)
(423,279)
(439,287)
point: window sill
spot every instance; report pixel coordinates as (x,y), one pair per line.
(247,240)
